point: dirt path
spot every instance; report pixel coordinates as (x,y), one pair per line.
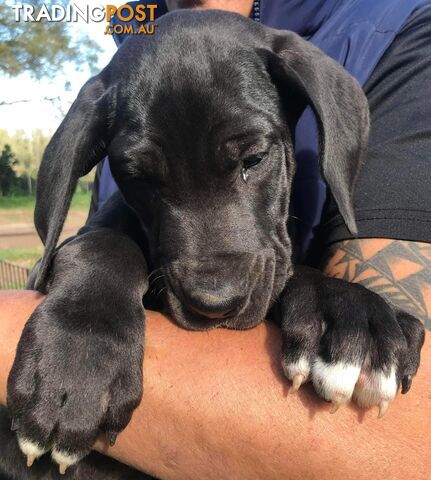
(17,229)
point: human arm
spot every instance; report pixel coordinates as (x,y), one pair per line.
(398,271)
(229,414)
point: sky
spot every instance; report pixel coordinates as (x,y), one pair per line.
(44,114)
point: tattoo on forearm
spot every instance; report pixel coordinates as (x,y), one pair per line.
(397,270)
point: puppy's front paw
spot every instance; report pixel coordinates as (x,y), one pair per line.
(348,341)
(75,377)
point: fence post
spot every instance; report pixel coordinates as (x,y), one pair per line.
(12,276)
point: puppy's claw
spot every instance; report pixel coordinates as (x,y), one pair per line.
(406,383)
(31,450)
(112,439)
(64,459)
(383,408)
(338,400)
(297,381)
(14,424)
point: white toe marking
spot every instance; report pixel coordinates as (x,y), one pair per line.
(64,458)
(29,448)
(375,387)
(335,380)
(300,367)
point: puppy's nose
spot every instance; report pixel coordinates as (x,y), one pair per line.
(212,305)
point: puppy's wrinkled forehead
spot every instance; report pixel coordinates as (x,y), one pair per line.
(203,83)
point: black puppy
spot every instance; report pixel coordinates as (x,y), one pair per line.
(198,124)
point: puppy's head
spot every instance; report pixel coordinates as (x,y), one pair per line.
(198,123)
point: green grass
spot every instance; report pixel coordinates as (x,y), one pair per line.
(80,201)
(17,202)
(25,257)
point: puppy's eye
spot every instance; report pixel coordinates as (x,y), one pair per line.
(249,163)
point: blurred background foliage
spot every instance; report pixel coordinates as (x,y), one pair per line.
(20,157)
(41,51)
(42,48)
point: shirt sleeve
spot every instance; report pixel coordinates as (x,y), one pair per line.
(392,198)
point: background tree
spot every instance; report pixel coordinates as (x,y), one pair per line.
(7,173)
(41,48)
(28,151)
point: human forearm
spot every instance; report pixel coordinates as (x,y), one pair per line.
(217,406)
(399,271)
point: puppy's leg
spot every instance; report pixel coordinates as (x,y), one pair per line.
(347,340)
(78,366)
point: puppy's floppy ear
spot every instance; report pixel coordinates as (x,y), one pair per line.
(307,76)
(76,147)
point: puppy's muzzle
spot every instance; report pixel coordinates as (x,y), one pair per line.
(220,288)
